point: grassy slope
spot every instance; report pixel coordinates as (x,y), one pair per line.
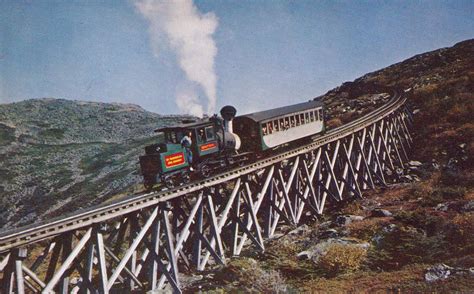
(58,156)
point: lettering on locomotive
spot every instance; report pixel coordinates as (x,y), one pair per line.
(208,146)
(174,159)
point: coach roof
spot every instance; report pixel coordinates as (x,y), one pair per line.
(282,111)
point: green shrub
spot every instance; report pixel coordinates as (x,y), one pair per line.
(406,245)
(342,258)
(52,134)
(450,193)
(461,234)
(334,123)
(7,134)
(421,219)
(245,274)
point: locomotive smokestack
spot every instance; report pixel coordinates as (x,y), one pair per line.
(228,113)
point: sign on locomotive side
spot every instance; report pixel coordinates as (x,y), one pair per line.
(208,146)
(174,159)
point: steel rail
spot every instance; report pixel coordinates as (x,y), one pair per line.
(95,215)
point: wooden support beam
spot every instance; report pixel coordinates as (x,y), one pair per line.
(395,129)
(286,198)
(215,230)
(199,231)
(53,262)
(377,166)
(67,262)
(310,176)
(394,144)
(29,273)
(100,252)
(154,249)
(128,254)
(169,247)
(66,250)
(235,228)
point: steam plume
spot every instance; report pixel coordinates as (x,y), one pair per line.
(189,33)
(188,102)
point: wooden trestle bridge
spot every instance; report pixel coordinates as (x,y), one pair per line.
(144,242)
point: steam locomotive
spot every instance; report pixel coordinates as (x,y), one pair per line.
(222,142)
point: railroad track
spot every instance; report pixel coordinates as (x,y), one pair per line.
(102,213)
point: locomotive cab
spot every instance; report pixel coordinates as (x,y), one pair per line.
(170,158)
(163,159)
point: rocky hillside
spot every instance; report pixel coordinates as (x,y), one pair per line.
(416,236)
(58,156)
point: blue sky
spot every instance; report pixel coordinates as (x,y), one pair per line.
(269,53)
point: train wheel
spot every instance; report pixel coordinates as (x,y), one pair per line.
(148,182)
(241,162)
(169,183)
(186,178)
(205,170)
(148,186)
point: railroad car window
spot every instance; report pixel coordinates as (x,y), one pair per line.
(209,133)
(297,120)
(179,136)
(275,123)
(264,129)
(171,137)
(282,124)
(174,139)
(269,127)
(293,119)
(320,111)
(287,123)
(316,113)
(201,135)
(302,118)
(311,116)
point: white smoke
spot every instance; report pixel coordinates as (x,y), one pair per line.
(180,25)
(188,102)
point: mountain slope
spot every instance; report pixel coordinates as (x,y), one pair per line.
(416,236)
(58,155)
